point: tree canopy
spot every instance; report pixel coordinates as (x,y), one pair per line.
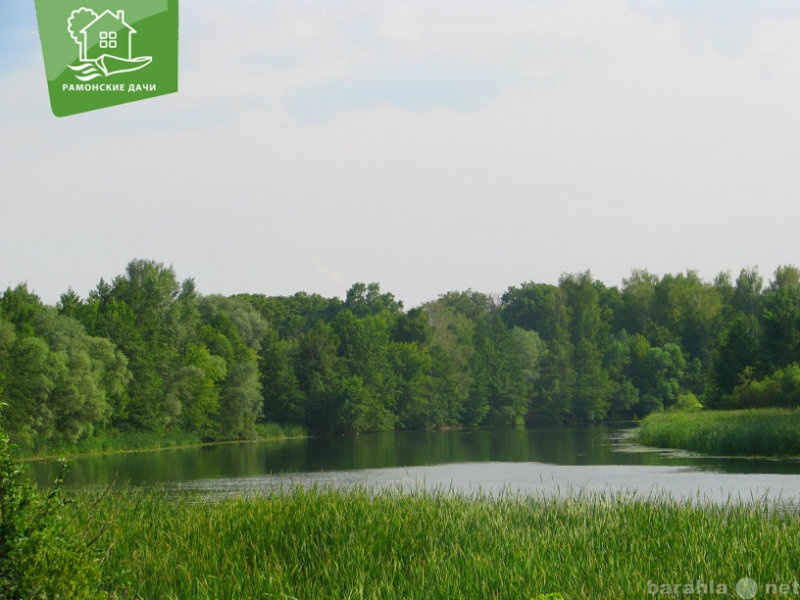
(147,352)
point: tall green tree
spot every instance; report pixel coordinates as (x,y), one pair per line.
(89,376)
(585,314)
(747,294)
(781,319)
(658,374)
(284,401)
(691,309)
(736,357)
(317,370)
(592,386)
(235,342)
(637,310)
(522,353)
(553,398)
(452,318)
(526,307)
(363,300)
(412,364)
(140,313)
(624,395)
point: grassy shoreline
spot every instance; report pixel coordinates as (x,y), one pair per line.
(765,432)
(324,543)
(123,442)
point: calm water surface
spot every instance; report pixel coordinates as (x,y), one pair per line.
(549,462)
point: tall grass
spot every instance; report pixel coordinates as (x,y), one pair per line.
(755,432)
(274,431)
(112,442)
(319,543)
(143,440)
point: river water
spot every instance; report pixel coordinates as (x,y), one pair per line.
(552,462)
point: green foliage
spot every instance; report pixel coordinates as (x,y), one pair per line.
(781,322)
(657,372)
(413,365)
(527,307)
(326,543)
(359,409)
(20,307)
(28,383)
(294,315)
(638,301)
(583,299)
(780,389)
(737,354)
(47,550)
(520,354)
(748,293)
(112,440)
(196,388)
(592,392)
(363,300)
(283,398)
(688,402)
(249,325)
(762,432)
(691,309)
(145,353)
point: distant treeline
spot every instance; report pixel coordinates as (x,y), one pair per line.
(148,353)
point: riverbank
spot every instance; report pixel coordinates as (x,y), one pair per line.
(753,432)
(366,544)
(119,442)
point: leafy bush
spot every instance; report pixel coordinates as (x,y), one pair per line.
(41,557)
(780,389)
(688,402)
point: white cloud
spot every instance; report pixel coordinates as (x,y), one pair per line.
(606,139)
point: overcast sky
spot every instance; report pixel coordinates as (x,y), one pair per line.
(429,145)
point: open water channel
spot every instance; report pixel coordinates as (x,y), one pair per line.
(552,462)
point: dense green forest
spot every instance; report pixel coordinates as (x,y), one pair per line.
(148,353)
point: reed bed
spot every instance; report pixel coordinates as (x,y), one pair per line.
(754,432)
(358,543)
(131,441)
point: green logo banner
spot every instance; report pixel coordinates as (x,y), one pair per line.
(101,53)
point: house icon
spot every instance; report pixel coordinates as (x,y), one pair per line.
(108,34)
(105,44)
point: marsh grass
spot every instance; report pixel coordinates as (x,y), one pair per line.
(755,432)
(129,441)
(358,543)
(134,441)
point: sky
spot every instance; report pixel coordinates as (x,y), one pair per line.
(428,145)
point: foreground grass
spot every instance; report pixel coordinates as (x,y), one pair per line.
(755,432)
(140,441)
(314,544)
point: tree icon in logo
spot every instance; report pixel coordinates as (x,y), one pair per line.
(105,43)
(78,20)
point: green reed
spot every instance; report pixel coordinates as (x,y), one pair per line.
(128,441)
(325,543)
(754,432)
